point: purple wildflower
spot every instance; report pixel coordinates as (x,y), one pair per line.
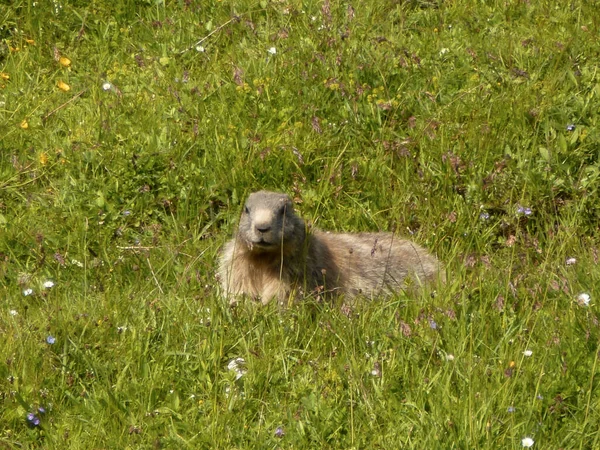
(524,210)
(33,420)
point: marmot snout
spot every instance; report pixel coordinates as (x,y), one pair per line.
(273,256)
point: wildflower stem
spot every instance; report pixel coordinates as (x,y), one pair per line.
(154,276)
(58,108)
(219,28)
(134,247)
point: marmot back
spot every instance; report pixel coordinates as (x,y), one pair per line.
(274,256)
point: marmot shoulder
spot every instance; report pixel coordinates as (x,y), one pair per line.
(274,256)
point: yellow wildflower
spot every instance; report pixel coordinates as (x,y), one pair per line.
(4,76)
(64,61)
(245,88)
(24,124)
(43,158)
(63,86)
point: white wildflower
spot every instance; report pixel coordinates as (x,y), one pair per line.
(528,353)
(48,284)
(27,292)
(13,312)
(200,49)
(237,365)
(570,261)
(449,357)
(106,86)
(376,371)
(272,51)
(583,299)
(527,442)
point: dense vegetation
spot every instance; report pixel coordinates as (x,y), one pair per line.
(130,134)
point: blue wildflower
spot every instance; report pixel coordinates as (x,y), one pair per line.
(524,210)
(484,215)
(571,127)
(33,420)
(279,432)
(50,340)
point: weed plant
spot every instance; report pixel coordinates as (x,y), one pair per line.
(130,134)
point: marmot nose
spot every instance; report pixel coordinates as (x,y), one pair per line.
(263,228)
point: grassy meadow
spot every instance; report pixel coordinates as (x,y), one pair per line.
(130,134)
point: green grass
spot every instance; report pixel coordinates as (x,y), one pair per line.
(419,117)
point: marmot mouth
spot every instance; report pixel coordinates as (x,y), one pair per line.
(262,245)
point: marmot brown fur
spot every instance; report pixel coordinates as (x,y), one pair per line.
(275,256)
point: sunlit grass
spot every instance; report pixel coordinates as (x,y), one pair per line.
(130,134)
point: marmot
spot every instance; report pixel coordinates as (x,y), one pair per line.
(275,256)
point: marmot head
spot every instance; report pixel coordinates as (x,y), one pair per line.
(269,224)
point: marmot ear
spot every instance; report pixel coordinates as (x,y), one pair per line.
(246,209)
